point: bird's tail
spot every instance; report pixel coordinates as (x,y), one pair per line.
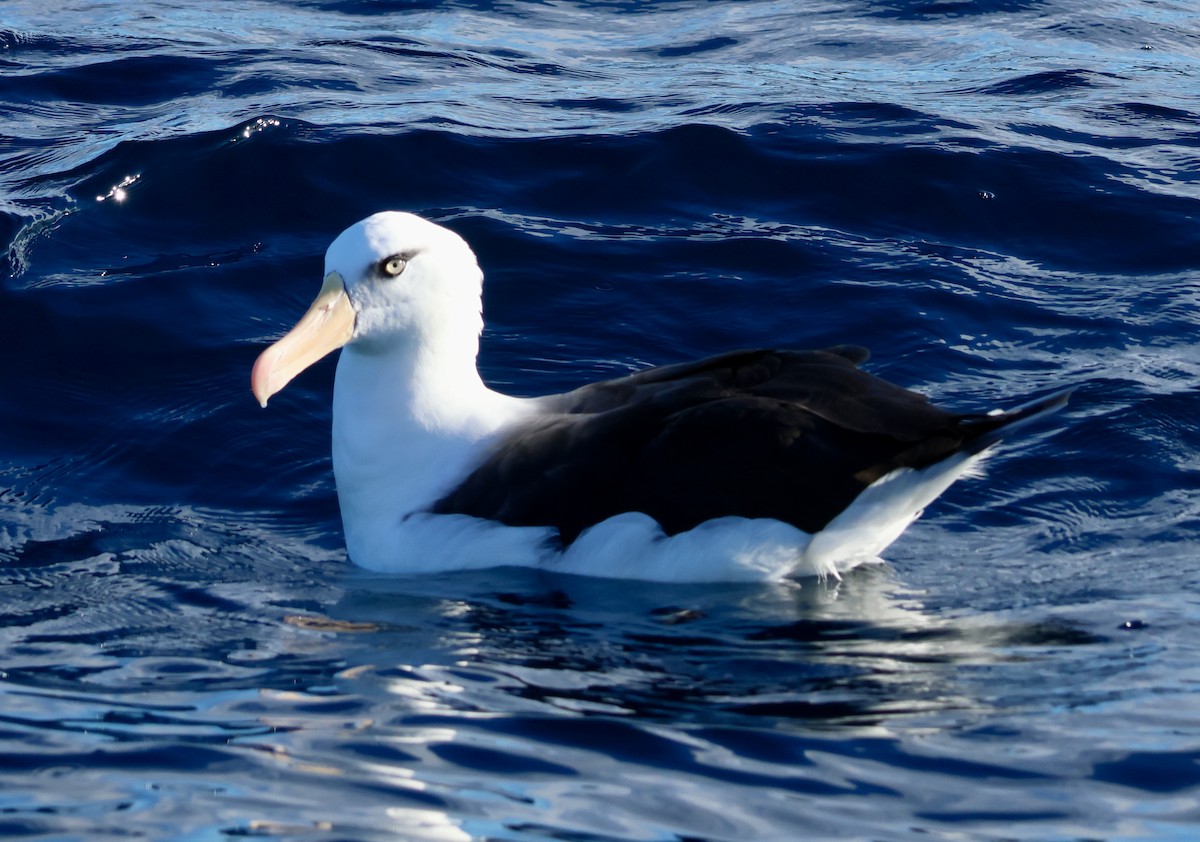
(885,508)
(999,424)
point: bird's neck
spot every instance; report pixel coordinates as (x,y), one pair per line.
(415,383)
(406,422)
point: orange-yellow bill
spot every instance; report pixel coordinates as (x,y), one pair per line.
(327,326)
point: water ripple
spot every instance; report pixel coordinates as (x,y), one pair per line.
(999,198)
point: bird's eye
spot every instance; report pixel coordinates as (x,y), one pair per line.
(394,265)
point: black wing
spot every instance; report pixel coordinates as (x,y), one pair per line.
(791,435)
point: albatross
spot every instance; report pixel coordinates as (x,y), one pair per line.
(754,464)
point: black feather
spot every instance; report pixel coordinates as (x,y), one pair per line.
(791,435)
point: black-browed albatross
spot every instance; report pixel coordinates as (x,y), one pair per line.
(750,465)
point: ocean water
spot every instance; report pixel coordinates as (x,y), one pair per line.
(999,198)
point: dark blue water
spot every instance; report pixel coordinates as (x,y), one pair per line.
(997,197)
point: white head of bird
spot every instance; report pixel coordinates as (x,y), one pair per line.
(391,280)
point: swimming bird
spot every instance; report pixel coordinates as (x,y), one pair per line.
(749,465)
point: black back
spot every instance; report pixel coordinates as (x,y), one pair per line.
(791,435)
